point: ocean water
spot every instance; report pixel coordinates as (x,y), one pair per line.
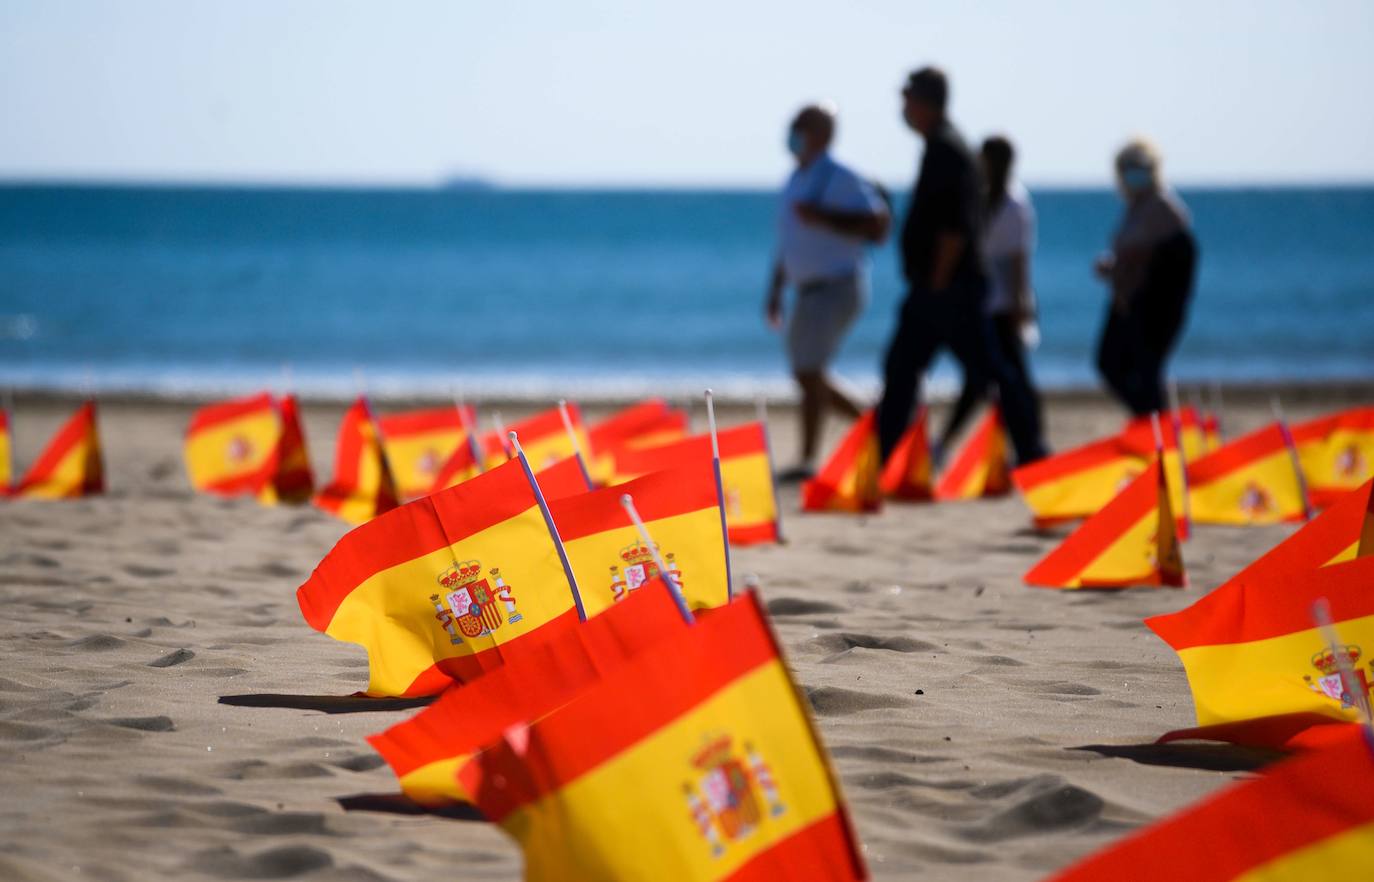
(614,293)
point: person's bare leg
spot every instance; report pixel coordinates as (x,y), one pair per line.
(836,399)
(813,390)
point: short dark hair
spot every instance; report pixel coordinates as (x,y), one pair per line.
(928,85)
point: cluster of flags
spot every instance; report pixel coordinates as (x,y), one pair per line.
(593,668)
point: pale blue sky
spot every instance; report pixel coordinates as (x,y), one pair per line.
(585,92)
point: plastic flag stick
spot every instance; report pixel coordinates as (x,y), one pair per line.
(1350,684)
(761,409)
(501,433)
(469,429)
(577,448)
(629,506)
(1177,421)
(548,522)
(1292,447)
(720,489)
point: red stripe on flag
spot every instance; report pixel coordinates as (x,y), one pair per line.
(1236,454)
(227,411)
(744,440)
(1099,532)
(72,433)
(1070,462)
(822,849)
(418,422)
(656,495)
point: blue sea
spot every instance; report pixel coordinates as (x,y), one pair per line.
(194,291)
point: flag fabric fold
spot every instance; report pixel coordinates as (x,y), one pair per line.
(702,748)
(1254,479)
(907,474)
(231,445)
(1131,541)
(71,465)
(980,469)
(445,587)
(849,479)
(290,480)
(363,486)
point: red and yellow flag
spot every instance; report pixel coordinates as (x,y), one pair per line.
(231,446)
(70,466)
(543,438)
(1131,541)
(647,424)
(746,472)
(427,750)
(1336,452)
(363,486)
(1251,650)
(1309,818)
(1252,480)
(445,587)
(697,762)
(461,465)
(681,514)
(563,478)
(6,448)
(1212,438)
(980,469)
(907,474)
(419,443)
(291,480)
(1079,482)
(849,479)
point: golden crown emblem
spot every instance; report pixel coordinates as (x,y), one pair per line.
(636,554)
(713,753)
(461,574)
(1326,661)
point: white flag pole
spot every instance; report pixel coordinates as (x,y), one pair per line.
(720,489)
(1177,421)
(1350,684)
(469,429)
(682,607)
(576,446)
(761,410)
(548,522)
(1293,458)
(501,434)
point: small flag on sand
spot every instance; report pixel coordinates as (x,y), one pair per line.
(543,437)
(746,471)
(849,479)
(980,469)
(682,513)
(1336,452)
(697,762)
(562,479)
(647,424)
(291,481)
(1079,482)
(447,586)
(231,446)
(1251,650)
(70,466)
(418,443)
(363,486)
(1252,480)
(427,750)
(1131,541)
(1308,818)
(908,472)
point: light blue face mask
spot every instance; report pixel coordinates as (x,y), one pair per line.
(1136,179)
(796,142)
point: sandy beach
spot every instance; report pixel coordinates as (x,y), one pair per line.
(166,713)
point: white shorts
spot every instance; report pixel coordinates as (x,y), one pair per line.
(823,313)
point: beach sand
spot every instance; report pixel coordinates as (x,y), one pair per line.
(982,729)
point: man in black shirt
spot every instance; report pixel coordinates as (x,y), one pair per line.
(943,263)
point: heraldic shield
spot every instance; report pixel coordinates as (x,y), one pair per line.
(724,798)
(471,604)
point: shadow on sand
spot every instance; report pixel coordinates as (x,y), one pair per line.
(1207,757)
(400,804)
(329,704)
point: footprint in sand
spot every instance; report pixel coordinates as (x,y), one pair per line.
(174,657)
(798,606)
(282,862)
(143,724)
(1038,805)
(830,701)
(849,640)
(98,643)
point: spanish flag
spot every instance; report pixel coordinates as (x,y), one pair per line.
(681,513)
(1309,818)
(980,469)
(1183,443)
(1252,651)
(563,478)
(1252,480)
(697,762)
(427,750)
(1131,541)
(231,446)
(1079,482)
(1336,452)
(419,443)
(1211,433)
(906,475)
(746,473)
(647,424)
(291,480)
(363,486)
(463,464)
(849,479)
(70,466)
(447,586)
(6,475)
(542,437)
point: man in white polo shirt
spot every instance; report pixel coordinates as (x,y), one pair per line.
(827,218)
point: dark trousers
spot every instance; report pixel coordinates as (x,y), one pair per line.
(1132,362)
(953,319)
(1004,340)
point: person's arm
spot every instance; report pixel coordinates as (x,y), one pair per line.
(866,225)
(1022,309)
(772,307)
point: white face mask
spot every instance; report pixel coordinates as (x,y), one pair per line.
(1137,179)
(796,142)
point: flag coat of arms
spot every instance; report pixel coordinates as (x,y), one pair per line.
(647,424)
(746,473)
(908,472)
(1309,818)
(1252,650)
(419,443)
(681,514)
(231,446)
(363,486)
(1336,452)
(543,437)
(849,479)
(6,453)
(427,750)
(1254,479)
(71,465)
(445,587)
(697,762)
(980,469)
(290,479)
(1131,541)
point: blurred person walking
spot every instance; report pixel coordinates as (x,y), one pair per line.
(1008,240)
(1151,268)
(827,217)
(942,259)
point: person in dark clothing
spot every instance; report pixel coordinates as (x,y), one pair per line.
(1151,269)
(943,264)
